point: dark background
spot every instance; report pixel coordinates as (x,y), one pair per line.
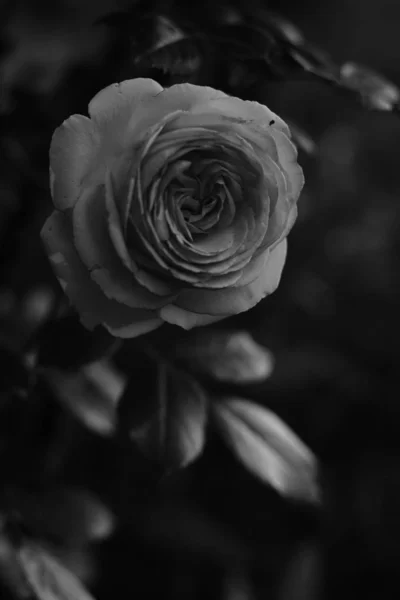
(333,326)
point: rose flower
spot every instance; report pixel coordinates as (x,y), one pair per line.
(171,205)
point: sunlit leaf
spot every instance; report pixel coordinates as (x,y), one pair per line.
(377,92)
(228,356)
(170,428)
(47,577)
(268,447)
(91,394)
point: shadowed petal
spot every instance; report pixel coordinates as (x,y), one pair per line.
(93,306)
(235,300)
(287,154)
(72,154)
(92,240)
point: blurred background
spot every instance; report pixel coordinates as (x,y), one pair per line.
(333,327)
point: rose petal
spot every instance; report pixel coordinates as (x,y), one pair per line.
(98,253)
(179,97)
(117,103)
(238,299)
(243,110)
(178,316)
(115,226)
(185,96)
(92,305)
(270,140)
(287,153)
(72,153)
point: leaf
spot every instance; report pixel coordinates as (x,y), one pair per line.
(168,422)
(243,41)
(11,573)
(91,394)
(227,356)
(268,448)
(302,140)
(47,577)
(14,372)
(285,29)
(172,50)
(118,19)
(377,92)
(314,62)
(303,574)
(178,58)
(67,344)
(167,33)
(74,516)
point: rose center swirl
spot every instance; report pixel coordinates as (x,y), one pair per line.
(199,194)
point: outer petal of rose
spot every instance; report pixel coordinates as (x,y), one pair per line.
(243,110)
(185,96)
(118,101)
(92,305)
(139,265)
(186,319)
(235,300)
(73,149)
(96,250)
(254,268)
(287,154)
(179,97)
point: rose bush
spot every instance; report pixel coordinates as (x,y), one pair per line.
(171,205)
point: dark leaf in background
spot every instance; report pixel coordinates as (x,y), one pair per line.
(284,28)
(66,515)
(170,428)
(14,372)
(11,572)
(268,448)
(47,577)
(166,33)
(237,585)
(91,394)
(243,41)
(301,139)
(180,57)
(312,62)
(303,575)
(67,344)
(227,356)
(120,20)
(186,529)
(377,92)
